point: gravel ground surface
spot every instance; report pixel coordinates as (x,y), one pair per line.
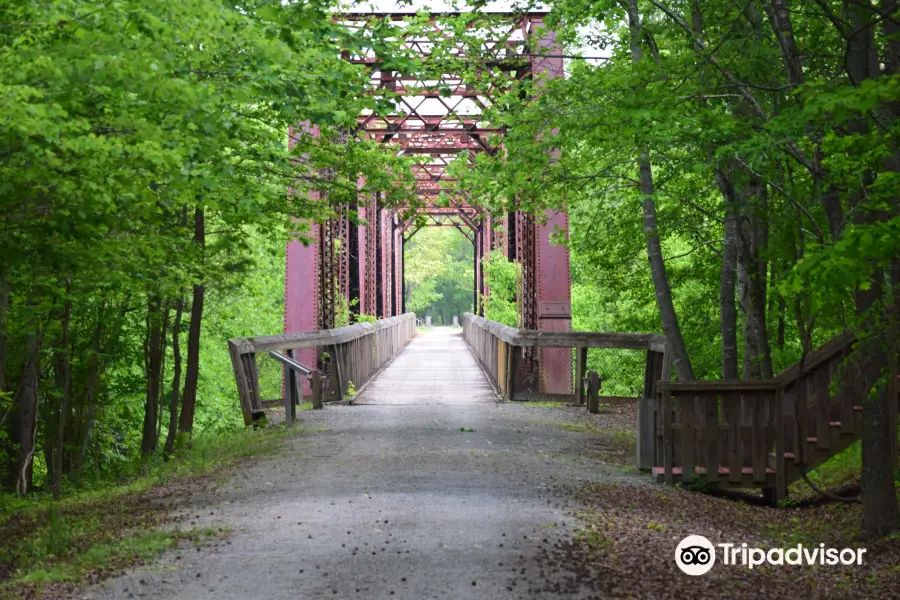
(480,500)
(395,502)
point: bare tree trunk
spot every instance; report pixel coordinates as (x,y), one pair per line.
(782,308)
(63,380)
(753,269)
(881,513)
(25,419)
(728,279)
(153,362)
(162,372)
(6,407)
(176,378)
(192,369)
(4,319)
(671,328)
(750,369)
(85,422)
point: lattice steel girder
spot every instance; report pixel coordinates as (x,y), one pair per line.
(553,302)
(438,121)
(417,122)
(506,42)
(302,266)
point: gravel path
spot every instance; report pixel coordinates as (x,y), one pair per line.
(385,501)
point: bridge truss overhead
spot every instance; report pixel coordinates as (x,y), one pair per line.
(438,121)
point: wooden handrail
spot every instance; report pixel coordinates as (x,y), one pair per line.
(569,339)
(752,433)
(499,349)
(737,385)
(357,352)
(312,339)
(814,359)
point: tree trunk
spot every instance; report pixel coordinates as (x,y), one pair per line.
(63,379)
(751,235)
(671,328)
(25,420)
(782,308)
(728,280)
(881,514)
(4,308)
(176,378)
(6,406)
(153,364)
(86,422)
(162,373)
(750,369)
(192,368)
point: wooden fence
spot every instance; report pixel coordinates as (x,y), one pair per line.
(760,434)
(343,355)
(507,355)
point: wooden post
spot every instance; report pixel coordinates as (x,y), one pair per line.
(710,457)
(298,383)
(780,492)
(580,367)
(687,411)
(593,392)
(338,374)
(501,367)
(510,369)
(316,390)
(250,369)
(240,377)
(731,410)
(646,410)
(289,398)
(668,438)
(646,433)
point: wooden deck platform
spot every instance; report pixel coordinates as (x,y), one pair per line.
(435,368)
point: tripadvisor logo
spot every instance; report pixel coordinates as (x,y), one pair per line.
(696,555)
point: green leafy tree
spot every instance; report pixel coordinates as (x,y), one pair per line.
(439,273)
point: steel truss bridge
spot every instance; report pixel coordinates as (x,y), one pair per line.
(360,264)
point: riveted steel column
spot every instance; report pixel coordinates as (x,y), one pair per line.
(552,276)
(302,265)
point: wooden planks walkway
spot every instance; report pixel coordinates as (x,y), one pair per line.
(435,368)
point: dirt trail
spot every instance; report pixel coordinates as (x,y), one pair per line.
(393,501)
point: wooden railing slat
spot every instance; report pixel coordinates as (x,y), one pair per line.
(759,450)
(668,435)
(731,408)
(822,395)
(711,435)
(780,447)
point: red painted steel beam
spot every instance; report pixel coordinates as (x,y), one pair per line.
(429,128)
(302,271)
(552,274)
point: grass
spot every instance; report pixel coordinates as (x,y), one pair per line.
(540,403)
(576,427)
(120,553)
(206,455)
(842,469)
(95,532)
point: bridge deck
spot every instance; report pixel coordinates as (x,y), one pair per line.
(435,368)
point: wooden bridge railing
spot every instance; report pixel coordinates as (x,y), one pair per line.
(342,355)
(512,358)
(761,433)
